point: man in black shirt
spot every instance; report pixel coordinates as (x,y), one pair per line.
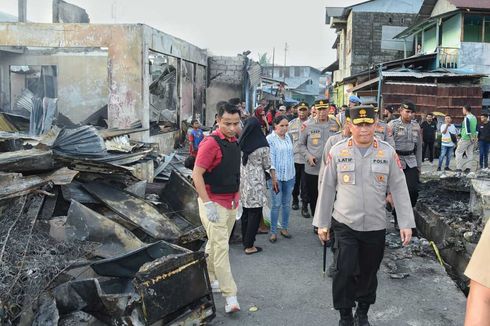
(484,140)
(429,129)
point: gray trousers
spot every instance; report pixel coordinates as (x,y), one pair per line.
(464,146)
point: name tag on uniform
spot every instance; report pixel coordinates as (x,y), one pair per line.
(315,138)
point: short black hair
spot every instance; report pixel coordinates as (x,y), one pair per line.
(345,106)
(194,121)
(432,114)
(277,120)
(235,101)
(228,108)
(467,107)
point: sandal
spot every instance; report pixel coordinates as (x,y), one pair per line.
(286,235)
(273,238)
(258,249)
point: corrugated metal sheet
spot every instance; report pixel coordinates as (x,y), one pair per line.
(254,73)
(471,4)
(427,74)
(5,125)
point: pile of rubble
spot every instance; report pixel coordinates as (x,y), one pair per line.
(88,237)
(452,211)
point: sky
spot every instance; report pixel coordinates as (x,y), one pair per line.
(224,27)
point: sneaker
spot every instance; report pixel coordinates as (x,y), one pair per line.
(232,305)
(438,169)
(447,169)
(468,170)
(295,206)
(215,287)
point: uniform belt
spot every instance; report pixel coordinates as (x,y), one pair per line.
(405,153)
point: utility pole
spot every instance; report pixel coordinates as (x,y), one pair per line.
(285,56)
(273,59)
(22,7)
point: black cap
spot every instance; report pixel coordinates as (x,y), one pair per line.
(303,105)
(408,106)
(322,104)
(390,109)
(362,114)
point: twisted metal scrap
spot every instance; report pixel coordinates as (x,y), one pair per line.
(30,259)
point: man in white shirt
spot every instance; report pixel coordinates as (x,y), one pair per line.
(448,131)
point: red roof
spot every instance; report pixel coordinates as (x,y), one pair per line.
(471,4)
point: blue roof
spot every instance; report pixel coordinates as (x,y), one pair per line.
(7,18)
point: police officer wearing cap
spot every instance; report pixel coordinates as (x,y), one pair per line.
(296,127)
(408,145)
(351,202)
(311,143)
(383,131)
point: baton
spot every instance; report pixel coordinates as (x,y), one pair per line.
(324,258)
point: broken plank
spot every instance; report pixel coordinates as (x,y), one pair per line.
(135,210)
(26,160)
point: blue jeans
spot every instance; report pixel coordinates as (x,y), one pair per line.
(281,200)
(484,146)
(446,152)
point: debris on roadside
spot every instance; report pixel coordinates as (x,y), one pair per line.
(89,236)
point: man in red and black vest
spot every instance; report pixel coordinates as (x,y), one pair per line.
(216,177)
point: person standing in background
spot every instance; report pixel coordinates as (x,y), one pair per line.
(311,144)
(448,141)
(296,127)
(484,140)
(466,144)
(429,130)
(282,176)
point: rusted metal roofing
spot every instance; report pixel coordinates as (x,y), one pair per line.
(471,4)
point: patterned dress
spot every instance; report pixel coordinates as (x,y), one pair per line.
(253,190)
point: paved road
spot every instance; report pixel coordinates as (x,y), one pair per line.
(284,282)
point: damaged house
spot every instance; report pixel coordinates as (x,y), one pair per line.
(116,76)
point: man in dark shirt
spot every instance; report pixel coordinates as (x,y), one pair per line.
(484,140)
(429,129)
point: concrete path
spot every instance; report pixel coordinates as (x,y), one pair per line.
(285,283)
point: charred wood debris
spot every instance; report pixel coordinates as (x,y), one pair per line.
(86,239)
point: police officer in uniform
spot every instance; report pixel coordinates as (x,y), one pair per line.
(351,202)
(408,145)
(311,143)
(383,131)
(296,126)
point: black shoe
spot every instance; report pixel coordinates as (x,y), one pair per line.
(346,318)
(438,169)
(459,170)
(295,205)
(467,170)
(447,169)
(360,317)
(304,212)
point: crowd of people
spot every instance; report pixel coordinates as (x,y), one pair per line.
(343,165)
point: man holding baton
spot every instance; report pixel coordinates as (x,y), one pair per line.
(358,172)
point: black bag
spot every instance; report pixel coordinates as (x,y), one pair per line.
(454,139)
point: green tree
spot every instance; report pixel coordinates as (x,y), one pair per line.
(264,60)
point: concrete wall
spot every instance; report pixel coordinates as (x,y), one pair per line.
(367,39)
(225,81)
(82,78)
(127,54)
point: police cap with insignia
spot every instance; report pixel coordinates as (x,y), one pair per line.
(322,104)
(362,114)
(407,105)
(303,106)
